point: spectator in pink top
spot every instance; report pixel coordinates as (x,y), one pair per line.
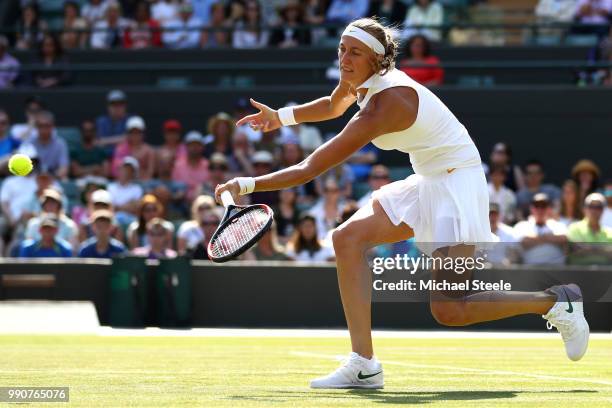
(135,146)
(192,170)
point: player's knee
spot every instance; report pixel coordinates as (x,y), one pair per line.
(449,313)
(346,238)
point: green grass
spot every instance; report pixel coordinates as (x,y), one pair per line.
(274,372)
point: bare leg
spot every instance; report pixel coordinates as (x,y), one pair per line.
(461,309)
(367,228)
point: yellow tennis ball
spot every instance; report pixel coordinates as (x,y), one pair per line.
(20,165)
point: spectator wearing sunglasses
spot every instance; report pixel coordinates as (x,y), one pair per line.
(191,232)
(158,246)
(379,176)
(589,237)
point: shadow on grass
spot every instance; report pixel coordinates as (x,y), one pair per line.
(394,397)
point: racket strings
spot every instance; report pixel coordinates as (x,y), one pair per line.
(239,232)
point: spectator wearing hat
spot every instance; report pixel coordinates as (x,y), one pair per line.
(44,181)
(101,244)
(109,33)
(172,149)
(51,202)
(504,250)
(52,150)
(145,32)
(8,64)
(534,176)
(111,126)
(8,143)
(88,185)
(159,241)
(291,32)
(193,169)
(184,31)
(150,207)
(88,158)
(542,238)
(125,192)
(606,219)
(49,245)
(379,176)
(220,132)
(99,199)
(215,34)
(589,238)
(263,162)
(502,195)
(586,174)
(135,146)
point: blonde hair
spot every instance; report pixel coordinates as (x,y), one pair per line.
(386,35)
(201,200)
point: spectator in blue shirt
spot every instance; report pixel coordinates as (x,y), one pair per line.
(111,127)
(8,143)
(345,11)
(51,149)
(102,244)
(48,246)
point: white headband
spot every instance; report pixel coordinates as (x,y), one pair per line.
(365,37)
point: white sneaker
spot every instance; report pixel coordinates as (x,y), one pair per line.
(568,317)
(354,372)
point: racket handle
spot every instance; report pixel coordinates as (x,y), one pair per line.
(226,198)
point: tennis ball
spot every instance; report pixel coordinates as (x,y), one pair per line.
(20,165)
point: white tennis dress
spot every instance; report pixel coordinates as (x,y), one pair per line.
(446,201)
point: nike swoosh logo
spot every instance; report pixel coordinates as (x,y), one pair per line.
(363,377)
(570,308)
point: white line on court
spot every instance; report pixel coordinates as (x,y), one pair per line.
(465,369)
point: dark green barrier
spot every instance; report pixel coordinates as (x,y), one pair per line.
(128,292)
(173,283)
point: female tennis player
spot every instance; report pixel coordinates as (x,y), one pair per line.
(445,201)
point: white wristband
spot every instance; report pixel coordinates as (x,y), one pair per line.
(286,116)
(247,184)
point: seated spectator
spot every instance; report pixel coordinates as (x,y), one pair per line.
(94,11)
(135,146)
(44,181)
(184,31)
(586,234)
(501,155)
(191,232)
(50,56)
(571,207)
(88,158)
(172,149)
(125,192)
(360,163)
(159,240)
(555,11)
(51,149)
(218,167)
(305,244)
(391,12)
(8,143)
(112,126)
(82,211)
(314,15)
(349,208)
(379,176)
(286,213)
(49,245)
(309,137)
(594,15)
(248,31)
(30,27)
(98,200)
(268,248)
(145,32)
(164,10)
(327,210)
(73,27)
(534,175)
(110,32)
(346,11)
(220,132)
(193,169)
(242,151)
(502,195)
(216,33)
(262,164)
(343,178)
(169,192)
(149,208)
(210,223)
(102,244)
(606,219)
(420,64)
(51,202)
(203,9)
(291,32)
(422,16)
(504,250)
(9,66)
(26,131)
(586,174)
(542,238)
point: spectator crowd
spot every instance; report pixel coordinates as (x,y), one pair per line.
(111,192)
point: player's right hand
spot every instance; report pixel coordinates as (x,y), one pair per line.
(265,120)
(232,186)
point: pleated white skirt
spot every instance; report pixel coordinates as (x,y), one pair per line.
(449,208)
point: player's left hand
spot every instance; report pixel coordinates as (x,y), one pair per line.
(265,120)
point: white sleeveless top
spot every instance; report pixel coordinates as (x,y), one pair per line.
(436,141)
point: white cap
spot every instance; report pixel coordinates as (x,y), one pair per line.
(262,156)
(194,136)
(597,197)
(101,196)
(135,122)
(130,161)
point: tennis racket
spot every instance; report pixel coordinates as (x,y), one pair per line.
(241,227)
